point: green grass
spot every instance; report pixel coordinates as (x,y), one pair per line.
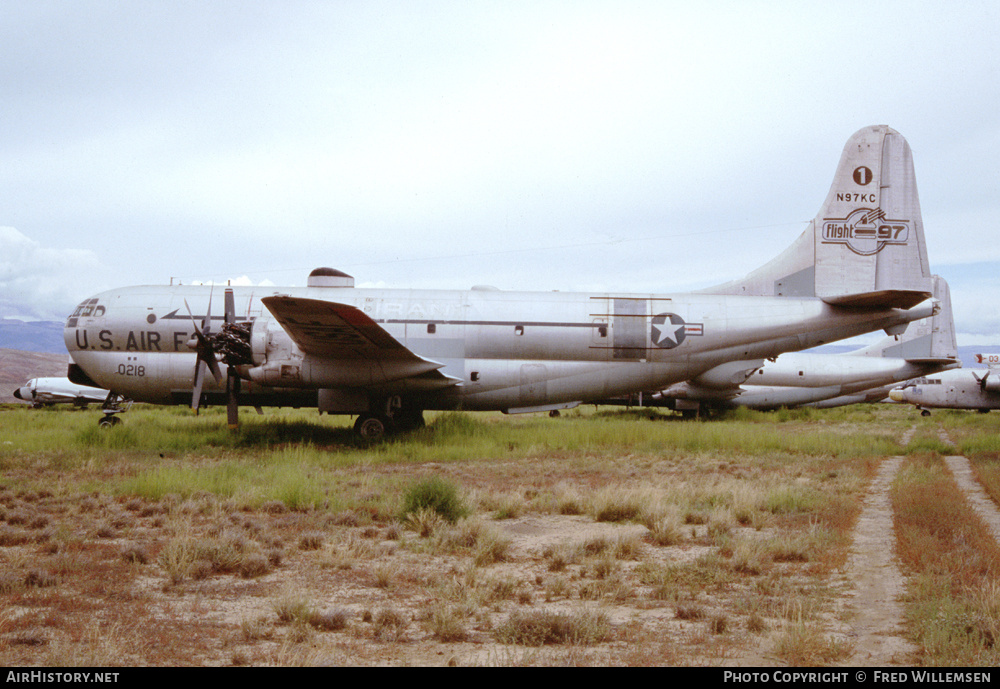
(312,462)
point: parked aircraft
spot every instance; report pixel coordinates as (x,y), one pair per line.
(41,392)
(827,380)
(977,389)
(387,355)
(990,360)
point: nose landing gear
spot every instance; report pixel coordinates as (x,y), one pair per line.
(113,404)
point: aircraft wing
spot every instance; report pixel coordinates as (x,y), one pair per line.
(334,331)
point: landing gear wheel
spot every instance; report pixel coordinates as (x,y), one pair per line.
(372,427)
(109,421)
(408,420)
(924,412)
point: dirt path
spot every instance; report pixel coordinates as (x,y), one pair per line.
(974,493)
(876,615)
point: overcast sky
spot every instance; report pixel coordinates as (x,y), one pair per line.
(629,146)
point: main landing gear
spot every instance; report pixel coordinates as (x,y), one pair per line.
(372,426)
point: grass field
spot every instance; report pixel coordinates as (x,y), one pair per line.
(600,537)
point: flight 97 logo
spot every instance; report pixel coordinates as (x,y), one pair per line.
(865,231)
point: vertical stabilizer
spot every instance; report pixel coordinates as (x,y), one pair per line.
(866,246)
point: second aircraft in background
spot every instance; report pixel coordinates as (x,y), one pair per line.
(977,389)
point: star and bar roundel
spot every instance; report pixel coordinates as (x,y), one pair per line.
(668,330)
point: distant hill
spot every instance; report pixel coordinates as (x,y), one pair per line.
(32,336)
(18,367)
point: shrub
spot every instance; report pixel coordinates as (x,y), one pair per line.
(312,540)
(136,554)
(435,494)
(446,625)
(390,625)
(425,521)
(329,621)
(536,628)
(291,608)
(254,565)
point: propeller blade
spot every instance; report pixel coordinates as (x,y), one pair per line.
(230,307)
(981,381)
(213,366)
(199,380)
(206,322)
(203,345)
(232,398)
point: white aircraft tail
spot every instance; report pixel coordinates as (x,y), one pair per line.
(866,246)
(927,341)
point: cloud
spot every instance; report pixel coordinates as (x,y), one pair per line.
(39,283)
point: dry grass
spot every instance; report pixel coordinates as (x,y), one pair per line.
(536,628)
(803,644)
(954,563)
(590,540)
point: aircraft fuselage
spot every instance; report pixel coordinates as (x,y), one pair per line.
(497,350)
(960,389)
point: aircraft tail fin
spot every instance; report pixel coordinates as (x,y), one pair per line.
(865,247)
(927,341)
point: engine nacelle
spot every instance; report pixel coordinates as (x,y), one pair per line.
(278,362)
(728,375)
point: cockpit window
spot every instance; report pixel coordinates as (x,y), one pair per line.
(87,309)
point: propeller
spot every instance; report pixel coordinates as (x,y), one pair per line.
(201,343)
(230,345)
(981,381)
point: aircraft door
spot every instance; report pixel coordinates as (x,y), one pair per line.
(630,328)
(534,385)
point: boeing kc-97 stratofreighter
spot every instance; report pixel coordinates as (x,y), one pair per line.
(387,355)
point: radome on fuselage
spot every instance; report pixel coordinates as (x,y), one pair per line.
(387,355)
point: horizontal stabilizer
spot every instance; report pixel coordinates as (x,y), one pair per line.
(927,340)
(883,299)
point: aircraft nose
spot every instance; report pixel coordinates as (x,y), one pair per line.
(897,395)
(18,395)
